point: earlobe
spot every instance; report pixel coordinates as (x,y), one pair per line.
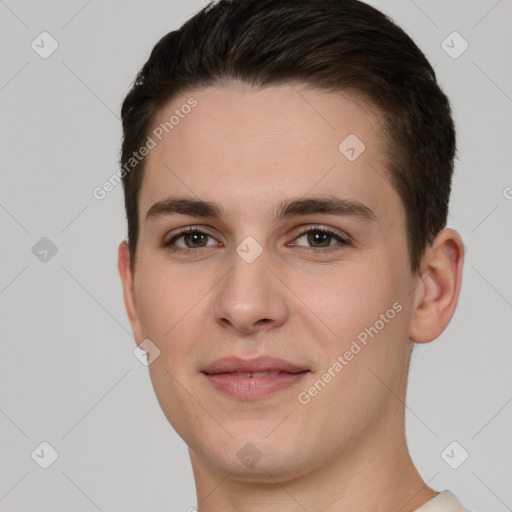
(130,299)
(437,296)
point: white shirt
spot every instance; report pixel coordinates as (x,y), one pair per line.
(445,501)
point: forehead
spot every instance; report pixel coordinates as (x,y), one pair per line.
(246,146)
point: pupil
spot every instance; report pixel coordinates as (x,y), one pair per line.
(313,238)
(195,238)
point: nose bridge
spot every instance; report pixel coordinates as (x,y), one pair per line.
(250,295)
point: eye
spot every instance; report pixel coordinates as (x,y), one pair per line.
(191,238)
(321,238)
(318,238)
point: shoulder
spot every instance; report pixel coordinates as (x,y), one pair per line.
(445,501)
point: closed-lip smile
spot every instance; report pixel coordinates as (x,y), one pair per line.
(252,379)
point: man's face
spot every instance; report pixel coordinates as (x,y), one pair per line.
(255,283)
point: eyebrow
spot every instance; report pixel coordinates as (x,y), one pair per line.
(329,205)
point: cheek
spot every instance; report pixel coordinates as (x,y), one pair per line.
(367,317)
(169,306)
(373,352)
(348,297)
(172,309)
(165,296)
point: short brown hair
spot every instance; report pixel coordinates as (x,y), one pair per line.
(333,45)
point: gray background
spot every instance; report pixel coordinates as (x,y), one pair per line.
(68,375)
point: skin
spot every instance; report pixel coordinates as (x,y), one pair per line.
(249,150)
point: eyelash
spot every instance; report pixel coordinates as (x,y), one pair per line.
(343,241)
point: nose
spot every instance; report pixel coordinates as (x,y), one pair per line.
(251,298)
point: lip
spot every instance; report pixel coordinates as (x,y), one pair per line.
(229,375)
(256,364)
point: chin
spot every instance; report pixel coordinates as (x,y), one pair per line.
(255,459)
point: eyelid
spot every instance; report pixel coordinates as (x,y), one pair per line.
(306,228)
(196,228)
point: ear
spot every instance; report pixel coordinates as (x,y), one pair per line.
(438,291)
(130,299)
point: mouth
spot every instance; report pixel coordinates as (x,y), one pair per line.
(257,375)
(253,379)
